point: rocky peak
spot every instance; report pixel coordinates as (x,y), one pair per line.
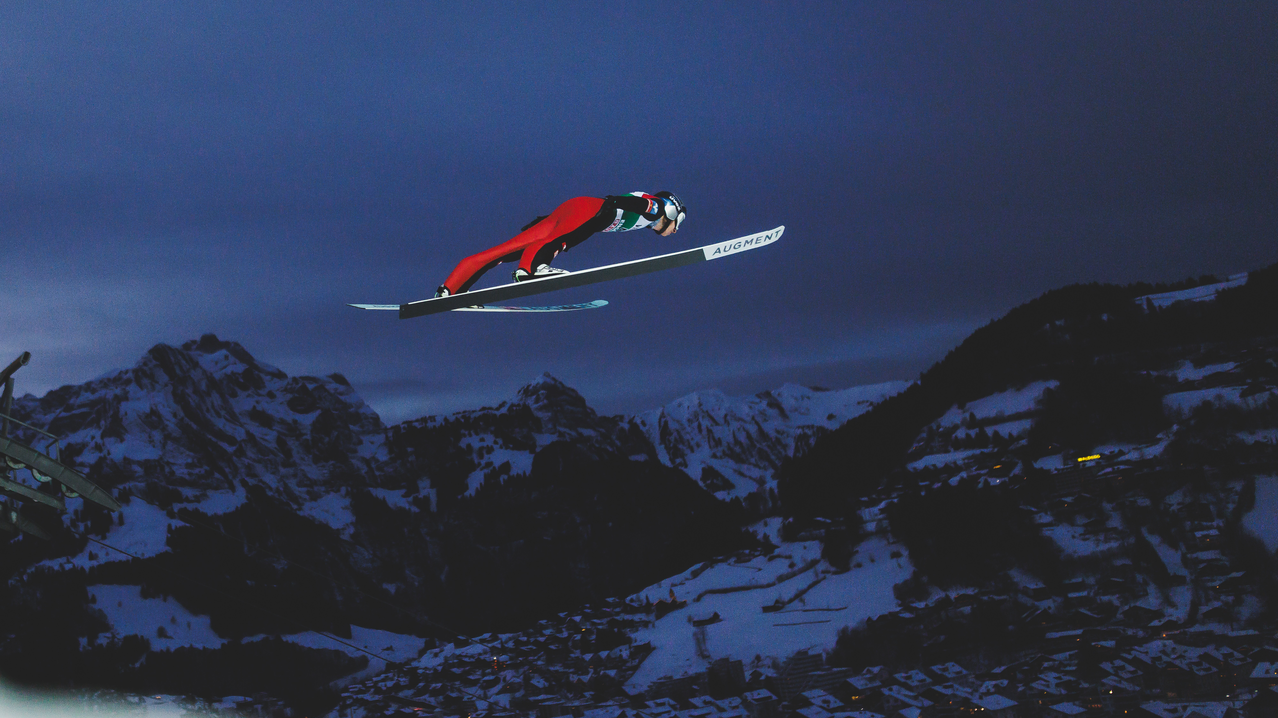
(547,388)
(210,344)
(556,404)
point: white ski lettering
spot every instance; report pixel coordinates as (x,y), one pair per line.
(742,244)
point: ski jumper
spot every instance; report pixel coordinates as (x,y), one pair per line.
(569,225)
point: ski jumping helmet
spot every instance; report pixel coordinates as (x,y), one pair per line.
(675,211)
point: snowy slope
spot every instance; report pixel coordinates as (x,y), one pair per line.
(826,602)
(1197,294)
(989,409)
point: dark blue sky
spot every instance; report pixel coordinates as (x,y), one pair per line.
(171,169)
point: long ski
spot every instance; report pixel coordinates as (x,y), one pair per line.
(499,308)
(483,297)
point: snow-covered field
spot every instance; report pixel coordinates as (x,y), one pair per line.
(1012,401)
(216,502)
(131,614)
(1197,294)
(1078,541)
(520,463)
(1169,554)
(333,510)
(831,602)
(953,457)
(1262,521)
(142,534)
(392,646)
(395,498)
(996,412)
(1188,372)
(1185,401)
(387,646)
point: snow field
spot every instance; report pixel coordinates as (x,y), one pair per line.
(332,510)
(938,460)
(396,499)
(130,614)
(1262,521)
(1197,294)
(520,462)
(1075,541)
(1185,401)
(1012,401)
(1186,372)
(143,534)
(389,646)
(216,502)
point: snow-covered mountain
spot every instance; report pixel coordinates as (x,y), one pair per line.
(187,423)
(732,445)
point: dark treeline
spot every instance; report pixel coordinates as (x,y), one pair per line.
(579,530)
(988,631)
(959,535)
(1098,403)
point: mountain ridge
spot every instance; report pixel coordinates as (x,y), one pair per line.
(208,413)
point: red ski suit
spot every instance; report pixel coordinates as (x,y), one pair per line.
(566,227)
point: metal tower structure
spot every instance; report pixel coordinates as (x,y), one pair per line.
(54,481)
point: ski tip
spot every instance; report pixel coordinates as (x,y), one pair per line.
(376,307)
